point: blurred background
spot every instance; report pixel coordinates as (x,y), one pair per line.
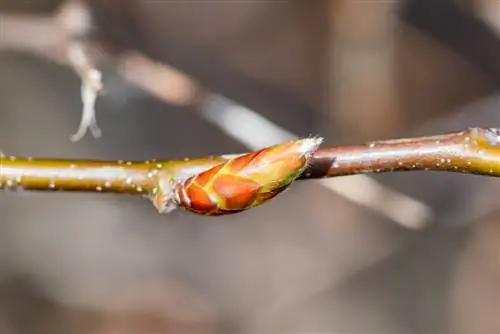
(406,253)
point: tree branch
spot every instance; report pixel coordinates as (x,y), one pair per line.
(472,151)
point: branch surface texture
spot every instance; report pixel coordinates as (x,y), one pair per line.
(229,184)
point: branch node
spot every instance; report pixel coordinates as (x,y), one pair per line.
(162,195)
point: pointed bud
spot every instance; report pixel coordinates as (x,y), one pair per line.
(247,180)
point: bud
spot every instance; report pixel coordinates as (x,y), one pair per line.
(247,180)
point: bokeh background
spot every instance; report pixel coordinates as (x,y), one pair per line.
(313,260)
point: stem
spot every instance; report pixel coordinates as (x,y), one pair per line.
(472,151)
(74,175)
(140,177)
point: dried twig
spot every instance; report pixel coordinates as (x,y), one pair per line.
(472,151)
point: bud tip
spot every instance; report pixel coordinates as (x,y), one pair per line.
(310,144)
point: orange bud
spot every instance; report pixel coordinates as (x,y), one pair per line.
(247,180)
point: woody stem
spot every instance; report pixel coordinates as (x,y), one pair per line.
(472,151)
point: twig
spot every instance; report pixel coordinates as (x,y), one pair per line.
(472,151)
(74,18)
(91,87)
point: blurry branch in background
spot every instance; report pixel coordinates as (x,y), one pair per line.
(64,42)
(233,183)
(91,87)
(61,38)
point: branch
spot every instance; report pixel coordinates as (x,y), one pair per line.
(191,183)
